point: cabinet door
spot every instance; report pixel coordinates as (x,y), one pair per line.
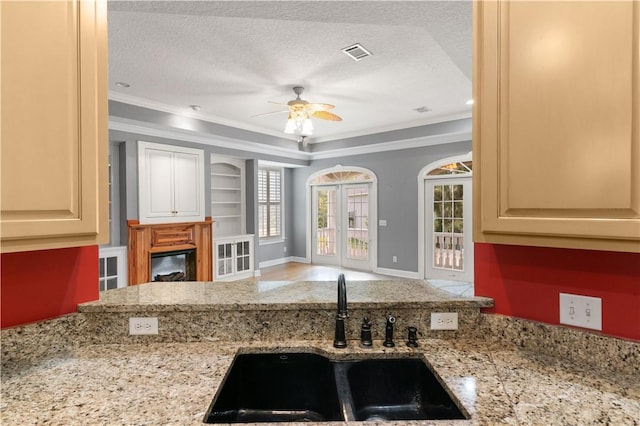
(224,262)
(244,256)
(188,175)
(170,184)
(54,124)
(156,189)
(557,124)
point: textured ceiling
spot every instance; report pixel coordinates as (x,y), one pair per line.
(232,57)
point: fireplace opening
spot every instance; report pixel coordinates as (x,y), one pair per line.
(179,265)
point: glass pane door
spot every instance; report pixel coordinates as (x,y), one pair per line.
(340,233)
(449,244)
(356,217)
(448,227)
(325,225)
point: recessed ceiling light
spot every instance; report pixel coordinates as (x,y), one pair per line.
(195,107)
(470,102)
(122,84)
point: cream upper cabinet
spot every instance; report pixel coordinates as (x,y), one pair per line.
(170,184)
(54,148)
(556,122)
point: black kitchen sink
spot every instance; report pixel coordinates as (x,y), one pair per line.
(291,387)
(297,387)
(398,389)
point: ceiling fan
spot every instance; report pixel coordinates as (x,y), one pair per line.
(301,112)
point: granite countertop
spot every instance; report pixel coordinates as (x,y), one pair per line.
(276,295)
(90,371)
(174,383)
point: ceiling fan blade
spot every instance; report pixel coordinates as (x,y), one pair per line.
(326,115)
(277,103)
(321,107)
(269,113)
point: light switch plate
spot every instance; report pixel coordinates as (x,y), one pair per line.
(581,311)
(143,325)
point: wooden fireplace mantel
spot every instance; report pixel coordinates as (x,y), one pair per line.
(162,238)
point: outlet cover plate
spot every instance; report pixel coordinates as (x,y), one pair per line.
(444,320)
(581,311)
(143,325)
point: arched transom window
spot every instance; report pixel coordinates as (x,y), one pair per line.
(347,176)
(458,168)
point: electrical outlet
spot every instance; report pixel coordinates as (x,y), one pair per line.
(143,325)
(444,320)
(394,259)
(581,311)
(285,249)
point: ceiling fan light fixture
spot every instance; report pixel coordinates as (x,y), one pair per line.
(307,128)
(299,123)
(299,126)
(290,127)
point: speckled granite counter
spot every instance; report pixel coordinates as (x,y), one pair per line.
(274,310)
(499,368)
(276,295)
(173,384)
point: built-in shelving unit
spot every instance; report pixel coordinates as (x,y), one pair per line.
(233,249)
(227,196)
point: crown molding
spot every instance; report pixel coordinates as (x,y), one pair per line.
(132,126)
(186,112)
(394,145)
(400,126)
(150,129)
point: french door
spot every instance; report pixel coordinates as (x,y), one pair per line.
(340,225)
(449,243)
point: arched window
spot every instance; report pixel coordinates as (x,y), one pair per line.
(341,176)
(457,168)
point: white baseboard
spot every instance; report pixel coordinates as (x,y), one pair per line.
(274,262)
(299,259)
(398,273)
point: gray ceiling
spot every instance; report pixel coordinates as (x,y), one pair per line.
(232,57)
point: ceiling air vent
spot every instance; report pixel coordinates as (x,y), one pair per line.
(356,52)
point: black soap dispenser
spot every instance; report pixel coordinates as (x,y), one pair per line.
(365,334)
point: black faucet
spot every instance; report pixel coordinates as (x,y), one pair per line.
(388,332)
(340,340)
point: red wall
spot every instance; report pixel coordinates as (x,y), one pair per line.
(45,284)
(525,282)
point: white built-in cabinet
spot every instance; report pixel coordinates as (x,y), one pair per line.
(170,184)
(233,257)
(112,267)
(233,249)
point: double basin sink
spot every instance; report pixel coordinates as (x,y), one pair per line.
(297,387)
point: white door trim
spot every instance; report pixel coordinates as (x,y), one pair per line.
(373,216)
(422,177)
